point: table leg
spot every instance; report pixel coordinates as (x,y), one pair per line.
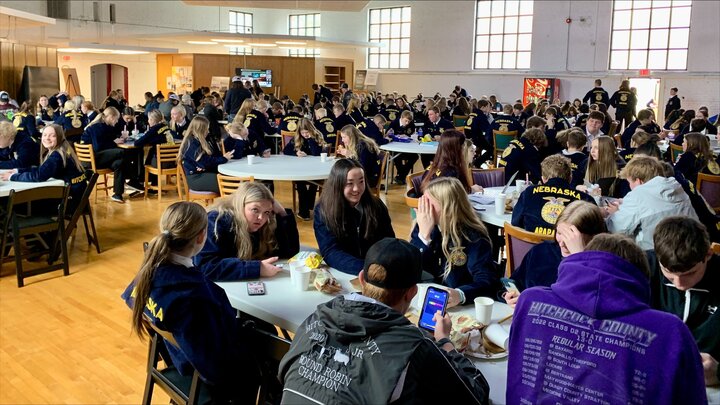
(387,169)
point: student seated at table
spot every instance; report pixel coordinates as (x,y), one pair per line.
(359,147)
(349,218)
(539,206)
(70,117)
(600,293)
(455,245)
(199,156)
(254,120)
(104,135)
(685,281)
(326,126)
(178,298)
(308,141)
(602,167)
(43,109)
(289,122)
(574,139)
(24,121)
(578,223)
(247,232)
(402,365)
(522,156)
(57,161)
(645,118)
(179,122)
(341,117)
(368,128)
(353,110)
(697,157)
(450,161)
(638,139)
(652,198)
(241,142)
(17,150)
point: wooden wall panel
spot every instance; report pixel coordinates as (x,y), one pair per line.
(13,59)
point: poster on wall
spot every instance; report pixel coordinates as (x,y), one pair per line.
(181,80)
(220,84)
(360,79)
(371,78)
(535,89)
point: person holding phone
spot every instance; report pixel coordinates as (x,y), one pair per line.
(378,356)
(247,233)
(175,296)
(455,245)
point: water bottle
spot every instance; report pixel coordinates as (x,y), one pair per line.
(420,132)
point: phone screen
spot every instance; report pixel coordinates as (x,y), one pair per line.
(509,284)
(435,300)
(256,288)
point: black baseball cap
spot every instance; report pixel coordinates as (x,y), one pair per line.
(344,86)
(401,261)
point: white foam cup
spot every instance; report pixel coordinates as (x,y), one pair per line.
(483,309)
(323,157)
(500,204)
(251,159)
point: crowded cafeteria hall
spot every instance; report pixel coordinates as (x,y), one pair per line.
(360,202)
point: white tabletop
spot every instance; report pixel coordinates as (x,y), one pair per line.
(486,213)
(280,167)
(410,147)
(6,186)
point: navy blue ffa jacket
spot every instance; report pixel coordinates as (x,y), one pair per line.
(45,115)
(577,167)
(22,154)
(53,167)
(597,95)
(322,92)
(342,120)
(398,129)
(627,154)
(539,267)
(347,252)
(627,134)
(689,166)
(581,120)
(437,128)
(254,145)
(369,129)
(505,123)
(326,126)
(218,258)
(158,134)
(369,109)
(479,127)
(257,122)
(521,156)
(623,100)
(472,269)
(199,315)
(180,128)
(309,146)
(195,161)
(356,115)
(71,120)
(391,113)
(672,105)
(25,123)
(539,207)
(290,122)
(234,99)
(370,162)
(101,135)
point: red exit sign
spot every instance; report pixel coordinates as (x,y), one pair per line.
(644,72)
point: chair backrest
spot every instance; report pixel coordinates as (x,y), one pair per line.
(675,151)
(183,187)
(715,248)
(459,120)
(287,136)
(228,184)
(518,242)
(85,154)
(338,139)
(383,157)
(83,204)
(412,195)
(489,177)
(167,153)
(613,128)
(618,140)
(502,139)
(709,187)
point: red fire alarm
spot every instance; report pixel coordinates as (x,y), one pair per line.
(568,20)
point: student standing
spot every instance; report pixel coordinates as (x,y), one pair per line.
(597,95)
(624,101)
(307,141)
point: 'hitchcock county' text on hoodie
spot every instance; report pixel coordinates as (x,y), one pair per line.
(592,338)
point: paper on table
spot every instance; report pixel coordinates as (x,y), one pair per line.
(481,199)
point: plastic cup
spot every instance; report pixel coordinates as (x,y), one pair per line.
(135,132)
(483,309)
(125,134)
(300,278)
(251,159)
(498,335)
(500,204)
(323,157)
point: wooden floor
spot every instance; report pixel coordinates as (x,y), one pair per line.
(67,340)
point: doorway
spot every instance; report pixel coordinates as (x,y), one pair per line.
(648,93)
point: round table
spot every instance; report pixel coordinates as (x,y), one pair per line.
(396,148)
(280,167)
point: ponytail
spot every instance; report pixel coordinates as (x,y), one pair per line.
(158,252)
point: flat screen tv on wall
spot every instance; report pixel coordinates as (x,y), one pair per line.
(263,76)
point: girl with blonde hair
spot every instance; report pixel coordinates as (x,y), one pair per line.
(308,141)
(697,157)
(171,293)
(601,168)
(247,232)
(178,121)
(200,156)
(455,244)
(70,117)
(257,123)
(359,147)
(17,150)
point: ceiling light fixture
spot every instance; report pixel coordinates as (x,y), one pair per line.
(229,41)
(202,42)
(290,43)
(261,45)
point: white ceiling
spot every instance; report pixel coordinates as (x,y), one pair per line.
(291,5)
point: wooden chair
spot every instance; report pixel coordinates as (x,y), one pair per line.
(338,140)
(412,195)
(192,195)
(489,177)
(181,389)
(228,184)
(709,187)
(517,243)
(287,136)
(618,140)
(21,226)
(166,155)
(83,210)
(86,155)
(501,140)
(715,248)
(383,156)
(73,135)
(459,121)
(675,152)
(613,127)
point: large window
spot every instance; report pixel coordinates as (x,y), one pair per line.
(304,25)
(241,23)
(390,26)
(503,34)
(650,34)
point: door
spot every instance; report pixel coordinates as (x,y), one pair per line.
(648,93)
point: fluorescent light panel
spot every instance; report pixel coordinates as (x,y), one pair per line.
(229,41)
(290,43)
(202,42)
(262,45)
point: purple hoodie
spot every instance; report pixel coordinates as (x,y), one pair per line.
(591,338)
